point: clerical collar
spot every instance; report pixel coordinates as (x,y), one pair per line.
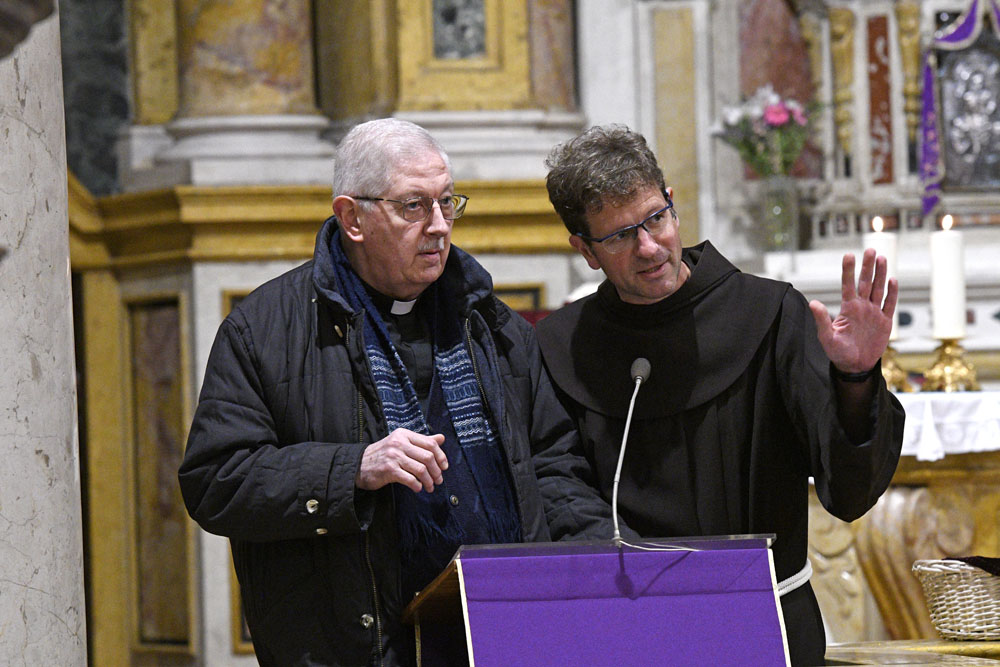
(402,307)
(386,304)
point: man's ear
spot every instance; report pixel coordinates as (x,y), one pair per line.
(670,193)
(346,210)
(584,249)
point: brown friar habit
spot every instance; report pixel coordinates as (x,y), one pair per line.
(738,413)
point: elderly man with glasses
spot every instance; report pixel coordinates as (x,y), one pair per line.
(751,392)
(365,414)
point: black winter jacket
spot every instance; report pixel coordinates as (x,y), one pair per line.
(287,407)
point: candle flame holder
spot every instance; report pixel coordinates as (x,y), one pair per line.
(895,377)
(950,372)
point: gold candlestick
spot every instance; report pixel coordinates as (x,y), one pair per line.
(895,377)
(950,372)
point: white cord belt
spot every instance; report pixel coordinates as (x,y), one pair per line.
(788,585)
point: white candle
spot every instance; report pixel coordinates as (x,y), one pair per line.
(884,244)
(947,282)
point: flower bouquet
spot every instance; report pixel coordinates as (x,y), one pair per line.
(768,132)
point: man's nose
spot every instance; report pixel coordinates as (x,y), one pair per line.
(645,244)
(436,223)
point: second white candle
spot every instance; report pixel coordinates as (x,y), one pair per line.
(947,282)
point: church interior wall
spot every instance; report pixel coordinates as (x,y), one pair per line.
(181,207)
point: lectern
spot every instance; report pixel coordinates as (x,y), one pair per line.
(689,601)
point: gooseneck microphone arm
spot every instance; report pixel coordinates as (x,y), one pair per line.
(640,373)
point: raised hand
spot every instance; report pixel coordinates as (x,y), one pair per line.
(857,337)
(405,457)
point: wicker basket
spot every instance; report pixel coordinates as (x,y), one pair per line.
(963,601)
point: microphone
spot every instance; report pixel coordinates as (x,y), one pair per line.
(640,370)
(640,373)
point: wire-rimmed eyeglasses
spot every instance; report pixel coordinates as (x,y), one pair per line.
(417,209)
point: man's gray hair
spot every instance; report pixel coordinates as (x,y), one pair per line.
(605,164)
(370,154)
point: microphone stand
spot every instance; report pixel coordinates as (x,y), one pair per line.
(640,373)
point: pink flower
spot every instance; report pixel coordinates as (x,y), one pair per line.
(776,114)
(799,117)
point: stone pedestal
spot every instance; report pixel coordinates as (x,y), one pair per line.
(498,145)
(42,612)
(246,150)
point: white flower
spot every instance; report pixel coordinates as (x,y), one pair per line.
(732,115)
(765,96)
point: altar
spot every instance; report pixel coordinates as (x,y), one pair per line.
(940,424)
(944,501)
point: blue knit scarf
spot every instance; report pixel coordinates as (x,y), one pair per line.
(428,532)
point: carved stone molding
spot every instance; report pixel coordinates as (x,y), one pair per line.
(862,571)
(837,580)
(907,524)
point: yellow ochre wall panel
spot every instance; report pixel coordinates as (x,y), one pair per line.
(676,125)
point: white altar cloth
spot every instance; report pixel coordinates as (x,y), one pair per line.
(943,423)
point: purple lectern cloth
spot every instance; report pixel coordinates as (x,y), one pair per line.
(623,608)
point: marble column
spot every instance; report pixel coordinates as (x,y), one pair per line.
(247,111)
(42,613)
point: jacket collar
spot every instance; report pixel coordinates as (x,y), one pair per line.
(464,281)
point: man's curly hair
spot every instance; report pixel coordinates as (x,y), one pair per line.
(605,164)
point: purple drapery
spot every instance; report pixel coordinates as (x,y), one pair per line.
(959,35)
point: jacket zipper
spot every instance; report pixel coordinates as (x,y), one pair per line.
(368,551)
(472,355)
(378,614)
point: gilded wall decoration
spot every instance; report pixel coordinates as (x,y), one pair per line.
(842,50)
(908,26)
(437,71)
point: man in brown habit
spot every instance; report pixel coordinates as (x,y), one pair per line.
(752,390)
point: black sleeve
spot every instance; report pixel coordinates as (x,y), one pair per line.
(574,508)
(849,477)
(237,480)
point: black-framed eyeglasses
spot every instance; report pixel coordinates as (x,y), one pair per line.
(417,209)
(654,224)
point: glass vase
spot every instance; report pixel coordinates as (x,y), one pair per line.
(778,214)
